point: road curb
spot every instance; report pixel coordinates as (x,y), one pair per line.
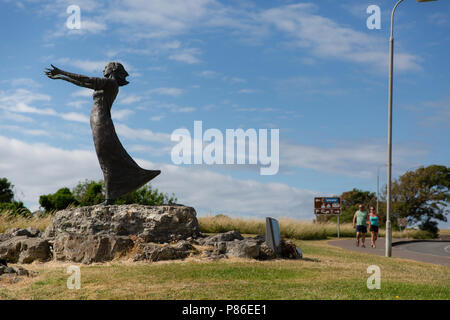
(416,240)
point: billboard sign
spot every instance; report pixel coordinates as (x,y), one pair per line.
(327,205)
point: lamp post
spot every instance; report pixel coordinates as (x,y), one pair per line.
(378,183)
(388,252)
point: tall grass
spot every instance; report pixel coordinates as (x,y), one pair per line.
(8,221)
(289,228)
(293,229)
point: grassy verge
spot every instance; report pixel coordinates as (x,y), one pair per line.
(289,228)
(294,229)
(326,272)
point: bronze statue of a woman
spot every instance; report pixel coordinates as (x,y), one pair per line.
(121,173)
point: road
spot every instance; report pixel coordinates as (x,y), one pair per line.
(425,251)
(435,248)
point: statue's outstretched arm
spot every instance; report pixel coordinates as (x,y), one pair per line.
(76,82)
(77,79)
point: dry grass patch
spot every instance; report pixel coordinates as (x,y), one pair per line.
(293,229)
(326,272)
(9,222)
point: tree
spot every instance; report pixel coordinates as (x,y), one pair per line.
(7,202)
(60,200)
(147,196)
(15,208)
(89,193)
(422,196)
(6,192)
(352,199)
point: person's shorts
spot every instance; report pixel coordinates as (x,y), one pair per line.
(362,229)
(374,228)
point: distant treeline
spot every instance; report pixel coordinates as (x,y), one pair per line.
(420,196)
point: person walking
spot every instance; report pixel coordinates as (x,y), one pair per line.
(360,220)
(373,226)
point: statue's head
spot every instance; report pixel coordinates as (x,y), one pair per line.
(119,72)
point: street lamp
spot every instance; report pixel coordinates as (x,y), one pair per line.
(388,252)
(378,183)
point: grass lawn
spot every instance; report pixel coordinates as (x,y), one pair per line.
(326,272)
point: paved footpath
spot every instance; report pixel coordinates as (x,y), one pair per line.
(400,250)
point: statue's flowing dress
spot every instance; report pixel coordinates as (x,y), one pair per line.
(121,173)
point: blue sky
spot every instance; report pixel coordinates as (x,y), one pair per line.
(313,70)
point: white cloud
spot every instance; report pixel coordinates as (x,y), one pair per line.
(25,82)
(121,113)
(92,26)
(184,109)
(31,132)
(238,80)
(211,192)
(328,39)
(15,117)
(157,118)
(37,169)
(171,45)
(312,85)
(208,74)
(23,96)
(142,134)
(74,116)
(176,108)
(439,18)
(18,102)
(189,55)
(304,27)
(432,113)
(353,158)
(83,93)
(161,18)
(77,104)
(247,91)
(85,65)
(130,99)
(167,91)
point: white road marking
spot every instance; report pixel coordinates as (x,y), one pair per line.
(447,249)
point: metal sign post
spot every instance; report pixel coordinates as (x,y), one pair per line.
(338,226)
(328,206)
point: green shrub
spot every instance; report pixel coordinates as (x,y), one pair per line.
(146,196)
(14,208)
(60,200)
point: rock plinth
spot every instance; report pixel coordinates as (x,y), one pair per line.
(151,223)
(144,233)
(102,233)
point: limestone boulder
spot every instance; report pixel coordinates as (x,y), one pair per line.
(17,232)
(247,248)
(90,248)
(23,249)
(158,252)
(221,237)
(151,223)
